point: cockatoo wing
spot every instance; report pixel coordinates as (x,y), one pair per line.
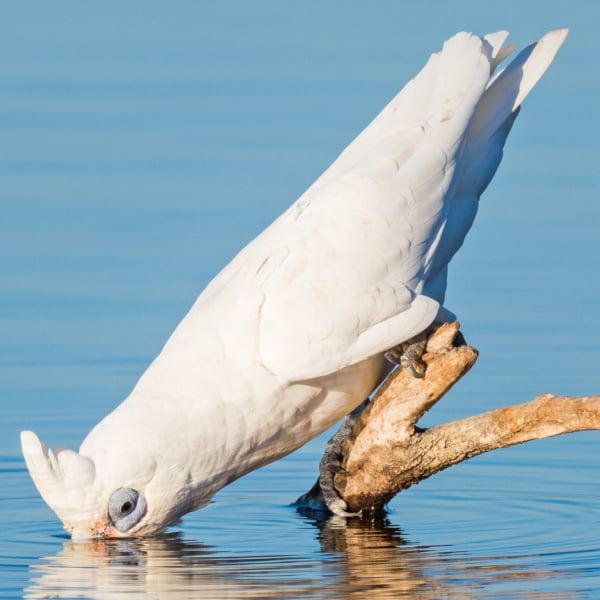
(414,103)
(354,251)
(352,258)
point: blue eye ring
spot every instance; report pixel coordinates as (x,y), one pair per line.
(126,507)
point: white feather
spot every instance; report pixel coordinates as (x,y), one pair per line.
(289,336)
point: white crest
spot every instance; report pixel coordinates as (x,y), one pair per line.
(64,478)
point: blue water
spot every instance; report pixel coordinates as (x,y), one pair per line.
(142,144)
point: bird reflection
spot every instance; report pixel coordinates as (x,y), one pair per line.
(358,558)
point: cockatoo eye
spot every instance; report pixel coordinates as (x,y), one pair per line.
(125,508)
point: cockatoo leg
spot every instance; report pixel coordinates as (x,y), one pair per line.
(409,354)
(331,464)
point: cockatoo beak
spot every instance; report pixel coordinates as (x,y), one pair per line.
(99,528)
(65,480)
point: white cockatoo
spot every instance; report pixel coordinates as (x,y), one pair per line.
(291,335)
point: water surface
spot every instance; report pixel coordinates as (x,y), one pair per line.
(142,146)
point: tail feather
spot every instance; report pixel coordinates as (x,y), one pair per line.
(508,90)
(483,145)
(499,50)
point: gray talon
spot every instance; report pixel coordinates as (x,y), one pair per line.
(331,464)
(394,355)
(409,355)
(338,507)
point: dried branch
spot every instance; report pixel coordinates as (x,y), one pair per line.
(386,452)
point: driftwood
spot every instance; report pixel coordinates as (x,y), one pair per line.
(387,452)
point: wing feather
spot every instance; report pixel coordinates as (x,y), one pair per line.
(360,241)
(358,263)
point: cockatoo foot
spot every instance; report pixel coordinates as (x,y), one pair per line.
(331,464)
(409,354)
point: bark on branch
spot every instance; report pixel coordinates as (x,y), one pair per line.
(386,452)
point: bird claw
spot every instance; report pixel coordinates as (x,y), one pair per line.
(337,505)
(331,464)
(409,355)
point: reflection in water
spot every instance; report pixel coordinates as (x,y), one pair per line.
(356,559)
(376,558)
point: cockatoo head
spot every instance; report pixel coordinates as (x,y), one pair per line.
(120,492)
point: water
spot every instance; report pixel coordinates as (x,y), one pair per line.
(142,146)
